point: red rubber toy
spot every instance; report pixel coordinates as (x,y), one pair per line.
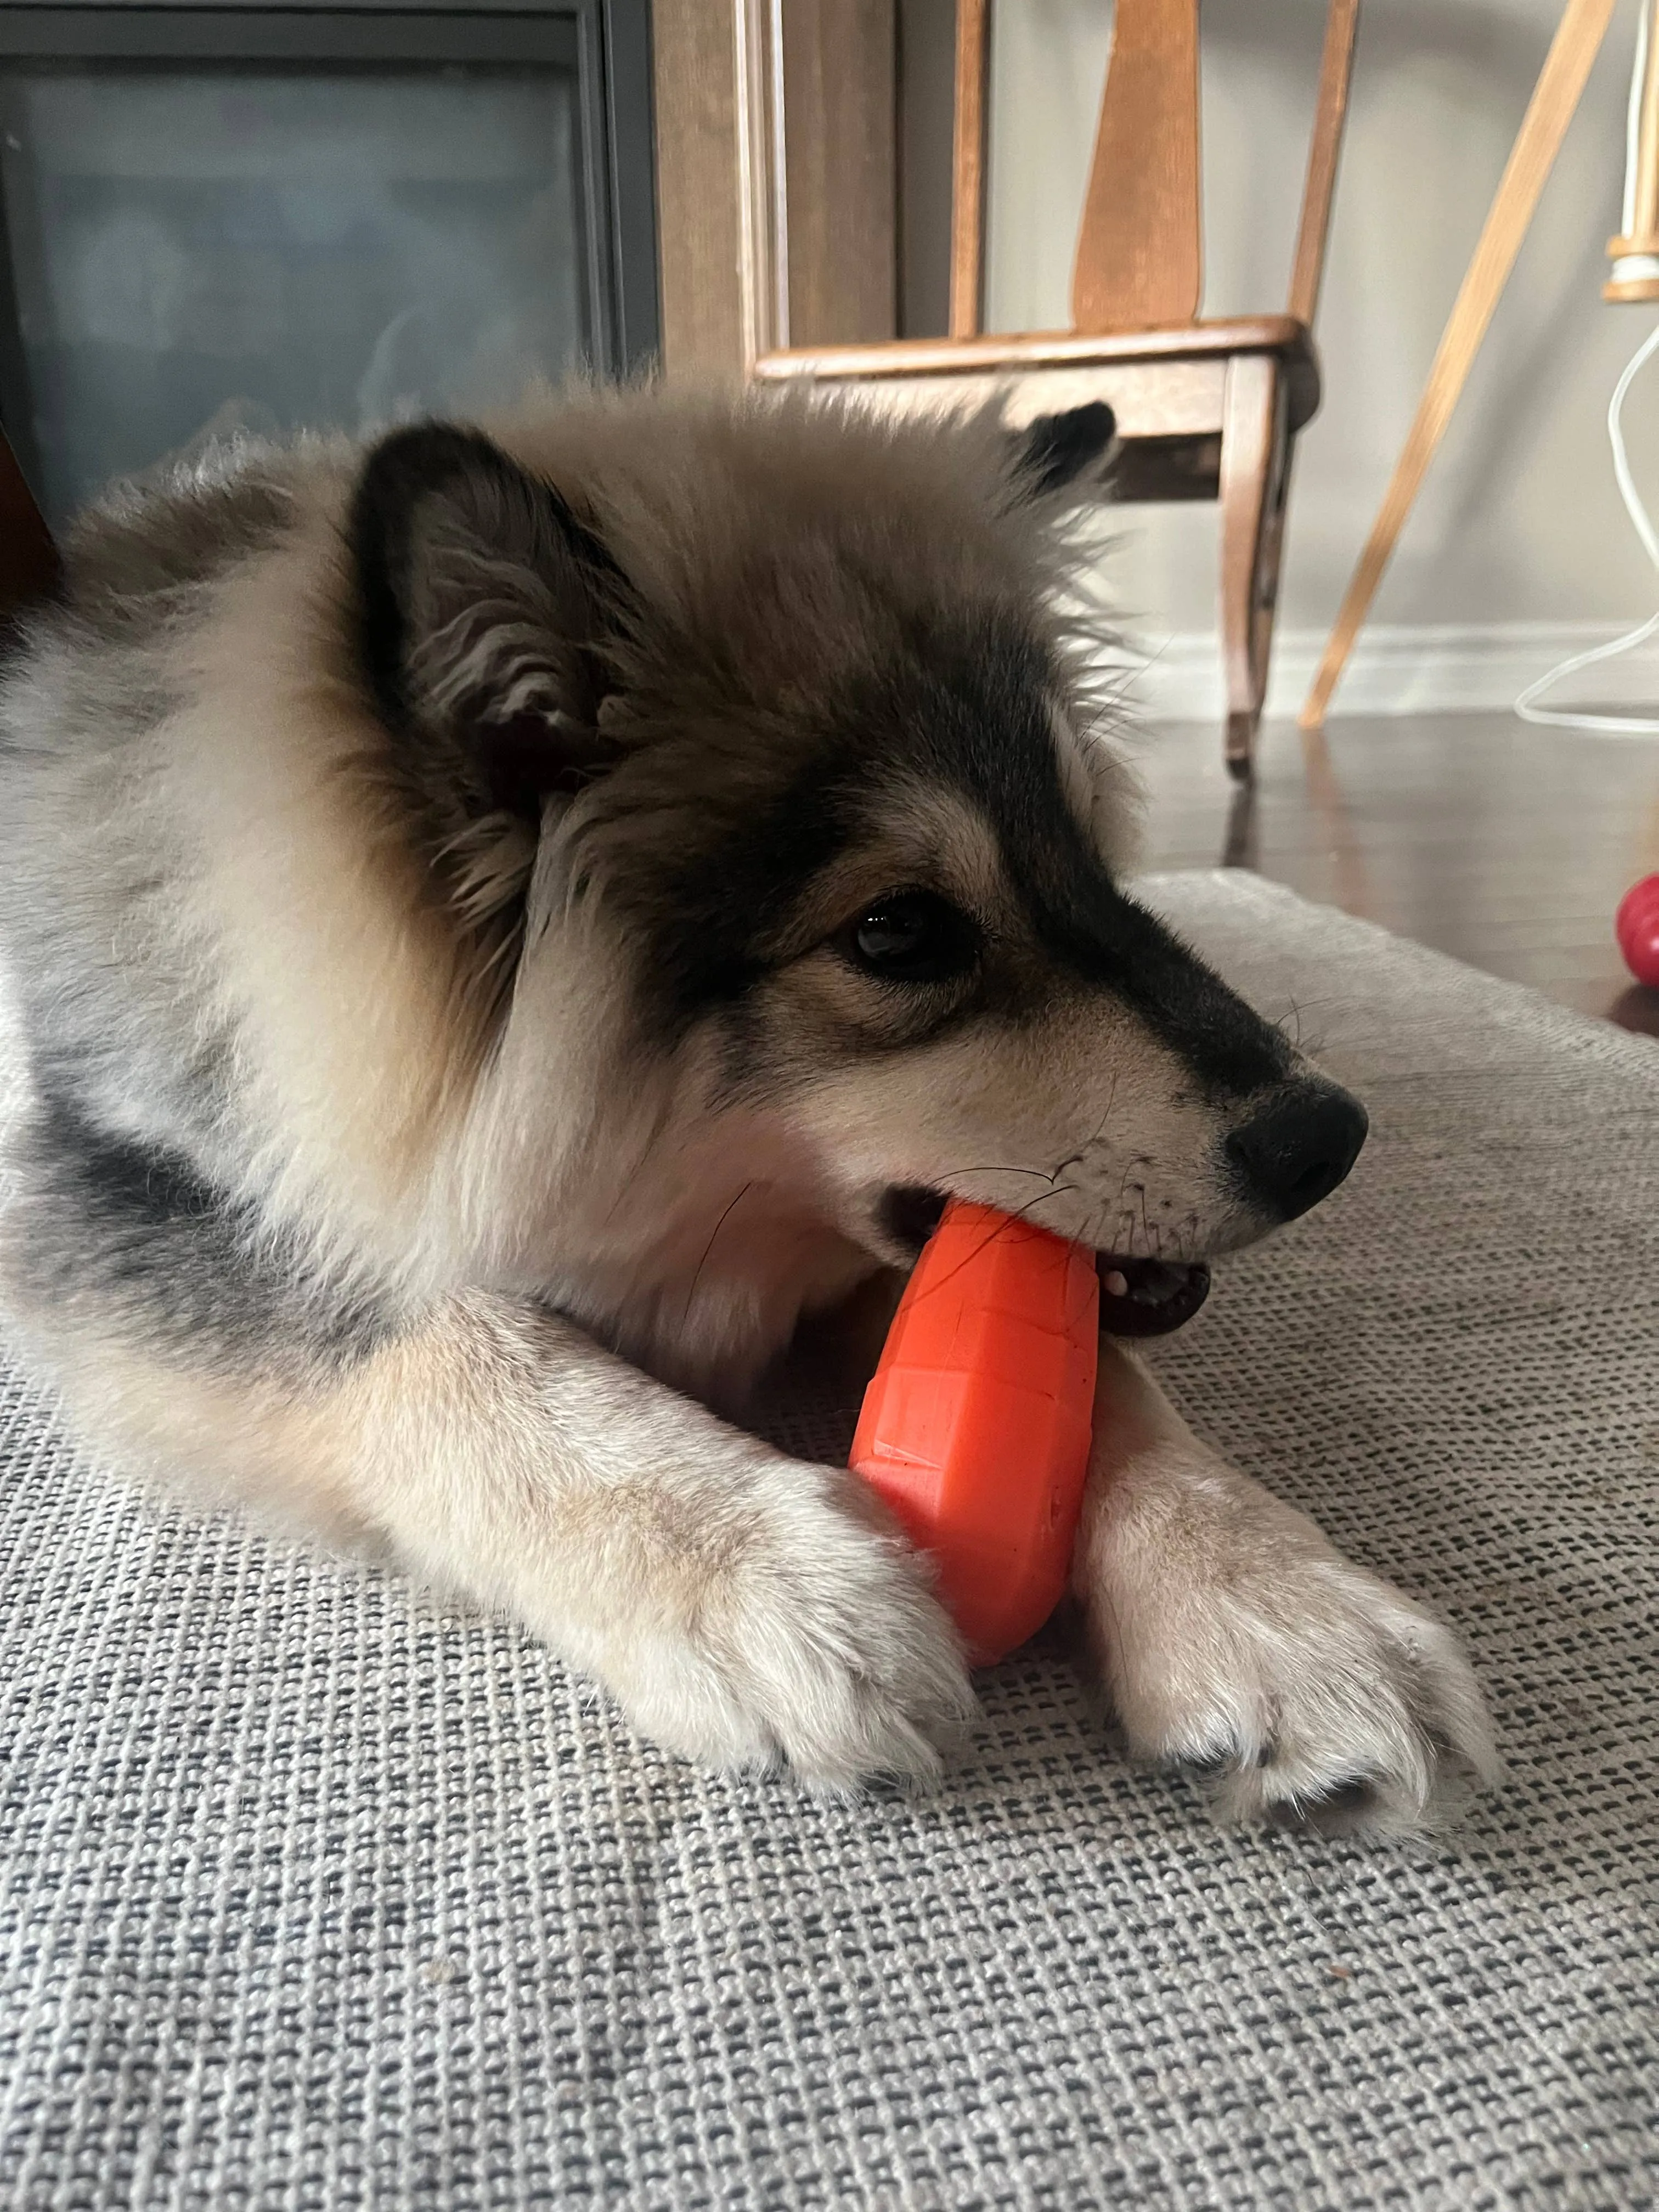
(977,1426)
(1638,929)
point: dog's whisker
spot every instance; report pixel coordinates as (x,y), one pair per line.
(708,1247)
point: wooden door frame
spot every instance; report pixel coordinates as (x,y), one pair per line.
(746,119)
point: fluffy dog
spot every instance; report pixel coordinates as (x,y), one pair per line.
(507,928)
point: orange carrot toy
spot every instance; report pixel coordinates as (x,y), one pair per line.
(975,1428)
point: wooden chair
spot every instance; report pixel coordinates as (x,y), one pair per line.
(1205,410)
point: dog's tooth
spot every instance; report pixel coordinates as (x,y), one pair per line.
(1116,1285)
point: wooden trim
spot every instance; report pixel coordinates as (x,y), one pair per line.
(1140,249)
(694,57)
(762,215)
(1554,103)
(948,356)
(912,359)
(756,100)
(1324,151)
(968,169)
(840,169)
(1161,401)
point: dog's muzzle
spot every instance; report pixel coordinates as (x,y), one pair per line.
(1138,1297)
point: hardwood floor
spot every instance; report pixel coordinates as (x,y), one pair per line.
(1506,846)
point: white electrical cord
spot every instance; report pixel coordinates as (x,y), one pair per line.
(1622,724)
(1627,725)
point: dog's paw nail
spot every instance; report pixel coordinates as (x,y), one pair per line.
(1206,1767)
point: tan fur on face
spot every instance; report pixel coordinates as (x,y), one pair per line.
(925,835)
(1094,1133)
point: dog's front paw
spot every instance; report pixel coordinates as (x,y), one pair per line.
(1237,1643)
(813,1635)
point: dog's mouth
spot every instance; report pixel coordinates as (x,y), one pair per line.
(1138,1297)
(1148,1297)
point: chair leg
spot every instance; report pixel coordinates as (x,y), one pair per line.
(1255,480)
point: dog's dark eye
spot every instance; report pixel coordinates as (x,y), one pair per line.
(913,937)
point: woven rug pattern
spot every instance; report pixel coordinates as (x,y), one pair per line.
(316,1893)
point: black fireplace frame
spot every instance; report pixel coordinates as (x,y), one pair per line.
(606,44)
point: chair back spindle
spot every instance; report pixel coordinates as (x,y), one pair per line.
(1330,112)
(1139,248)
(967,169)
(1139,252)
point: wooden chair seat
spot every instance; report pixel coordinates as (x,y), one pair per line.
(1168,388)
(1200,342)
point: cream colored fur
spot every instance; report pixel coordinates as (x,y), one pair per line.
(1233,1637)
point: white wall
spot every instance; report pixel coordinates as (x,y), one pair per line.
(1519,524)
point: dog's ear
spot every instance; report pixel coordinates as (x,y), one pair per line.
(484,603)
(1056,451)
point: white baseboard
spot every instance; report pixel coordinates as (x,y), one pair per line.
(1448,669)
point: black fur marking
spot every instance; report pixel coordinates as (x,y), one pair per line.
(709,915)
(976,702)
(484,604)
(910,1213)
(1056,449)
(135,1226)
(411,466)
(965,705)
(402,477)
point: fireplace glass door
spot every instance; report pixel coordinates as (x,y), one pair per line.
(207,244)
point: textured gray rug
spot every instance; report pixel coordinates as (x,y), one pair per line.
(317,1894)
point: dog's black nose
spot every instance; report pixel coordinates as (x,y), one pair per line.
(1295,1150)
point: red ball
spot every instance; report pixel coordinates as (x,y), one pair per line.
(1637,928)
